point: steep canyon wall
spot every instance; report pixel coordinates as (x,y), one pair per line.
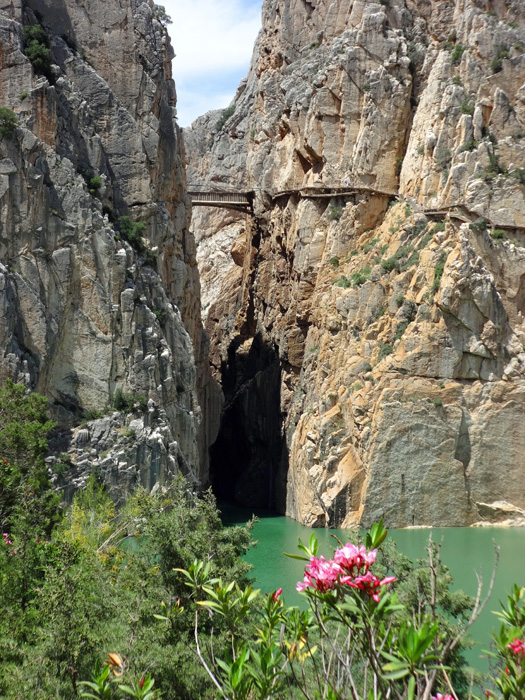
(369,327)
(93,306)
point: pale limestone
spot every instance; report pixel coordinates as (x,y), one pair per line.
(401,395)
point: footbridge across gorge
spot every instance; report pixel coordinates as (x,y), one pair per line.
(242,200)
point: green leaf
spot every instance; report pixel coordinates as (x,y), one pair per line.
(395,675)
(296,556)
(411,688)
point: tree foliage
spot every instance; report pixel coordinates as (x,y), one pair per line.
(36,48)
(79,584)
(24,428)
(8,122)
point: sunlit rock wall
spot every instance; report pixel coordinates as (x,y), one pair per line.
(396,312)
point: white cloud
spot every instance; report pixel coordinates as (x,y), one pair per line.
(213,42)
(192,104)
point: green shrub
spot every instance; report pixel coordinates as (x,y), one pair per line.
(467,107)
(23,95)
(8,122)
(438,274)
(519,174)
(126,402)
(386,349)
(334,262)
(457,53)
(426,239)
(499,234)
(495,168)
(342,282)
(389,264)
(394,261)
(226,114)
(470,145)
(360,277)
(335,213)
(412,260)
(93,414)
(150,258)
(456,80)
(95,183)
(436,401)
(439,226)
(399,165)
(161,316)
(36,48)
(132,231)
(497,62)
(400,300)
(400,330)
(479,225)
(370,244)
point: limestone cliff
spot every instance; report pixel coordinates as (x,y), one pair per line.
(370,335)
(99,290)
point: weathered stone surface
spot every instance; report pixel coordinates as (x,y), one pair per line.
(84,312)
(399,330)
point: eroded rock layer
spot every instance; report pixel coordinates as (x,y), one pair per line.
(384,264)
(94,306)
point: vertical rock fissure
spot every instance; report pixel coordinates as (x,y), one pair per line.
(245,459)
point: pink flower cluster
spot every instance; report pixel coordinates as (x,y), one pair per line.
(7,541)
(442,697)
(517,646)
(350,566)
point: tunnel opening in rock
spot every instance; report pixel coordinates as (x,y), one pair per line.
(248,460)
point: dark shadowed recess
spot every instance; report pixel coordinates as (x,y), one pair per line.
(248,461)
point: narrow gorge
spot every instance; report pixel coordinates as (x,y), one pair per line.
(350,348)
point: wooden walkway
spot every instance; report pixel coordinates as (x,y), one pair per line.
(321,192)
(241,201)
(459,213)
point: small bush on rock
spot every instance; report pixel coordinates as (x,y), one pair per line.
(36,48)
(8,122)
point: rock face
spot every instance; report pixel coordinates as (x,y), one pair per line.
(369,332)
(93,304)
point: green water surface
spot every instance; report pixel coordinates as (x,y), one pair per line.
(465,551)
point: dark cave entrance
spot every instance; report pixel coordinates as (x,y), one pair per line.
(248,461)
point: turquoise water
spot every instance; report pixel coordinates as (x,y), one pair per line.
(464,551)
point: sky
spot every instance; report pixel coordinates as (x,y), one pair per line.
(213,42)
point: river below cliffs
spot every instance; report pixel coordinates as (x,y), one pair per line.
(464,551)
